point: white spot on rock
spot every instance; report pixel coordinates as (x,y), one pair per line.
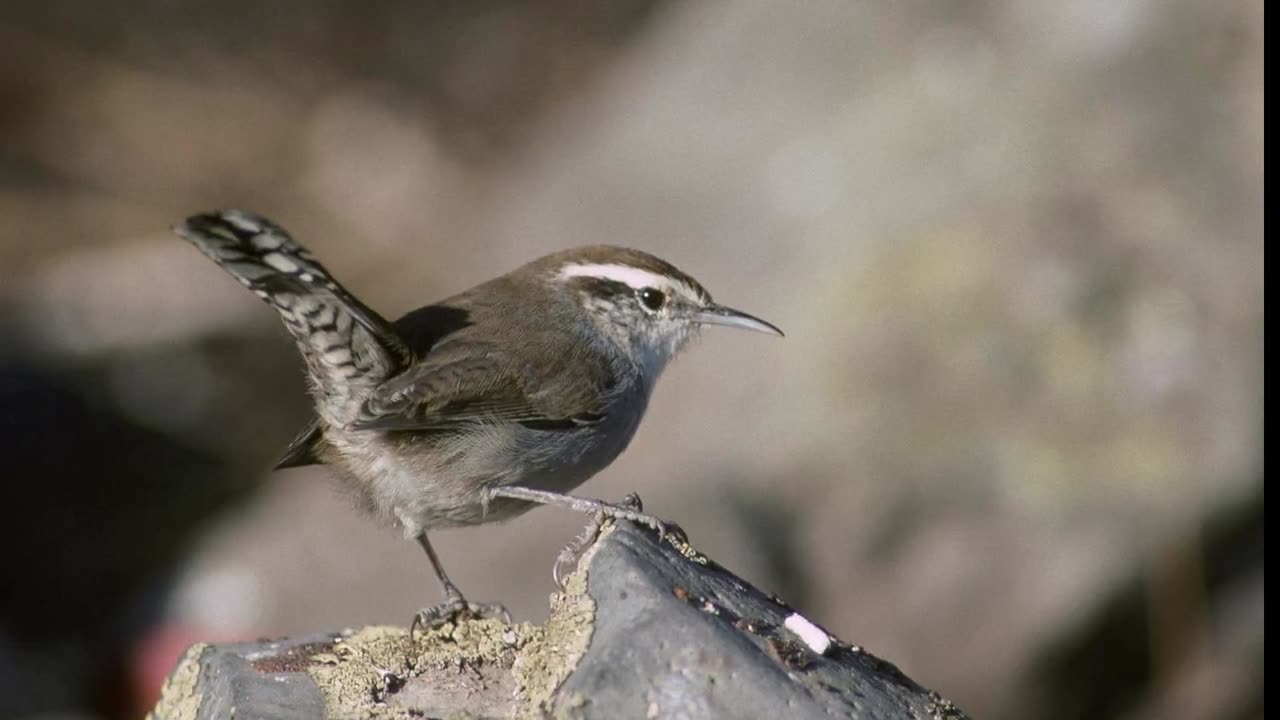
(812,635)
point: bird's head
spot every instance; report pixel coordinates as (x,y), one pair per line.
(642,303)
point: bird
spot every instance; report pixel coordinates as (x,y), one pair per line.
(484,405)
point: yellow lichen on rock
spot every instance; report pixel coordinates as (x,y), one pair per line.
(498,670)
(180,698)
(555,649)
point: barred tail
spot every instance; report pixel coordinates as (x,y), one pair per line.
(342,340)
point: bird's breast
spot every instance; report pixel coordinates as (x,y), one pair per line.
(560,460)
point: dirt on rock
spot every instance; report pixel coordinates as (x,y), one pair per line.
(495,669)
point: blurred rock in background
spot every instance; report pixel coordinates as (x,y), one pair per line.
(1017,249)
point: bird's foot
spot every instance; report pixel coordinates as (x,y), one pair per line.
(632,509)
(455,609)
(571,553)
(633,501)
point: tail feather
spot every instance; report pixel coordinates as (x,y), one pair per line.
(341,339)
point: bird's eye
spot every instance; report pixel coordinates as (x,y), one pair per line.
(652,298)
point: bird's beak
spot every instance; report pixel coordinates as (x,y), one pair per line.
(721,315)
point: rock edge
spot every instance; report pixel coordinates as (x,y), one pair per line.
(642,630)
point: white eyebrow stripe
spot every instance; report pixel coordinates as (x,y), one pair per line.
(630,276)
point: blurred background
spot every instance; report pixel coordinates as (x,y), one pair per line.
(1012,441)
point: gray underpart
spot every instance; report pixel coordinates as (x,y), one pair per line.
(672,635)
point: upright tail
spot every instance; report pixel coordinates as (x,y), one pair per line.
(344,343)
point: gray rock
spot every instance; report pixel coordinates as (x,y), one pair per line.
(643,630)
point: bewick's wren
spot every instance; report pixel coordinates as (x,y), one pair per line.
(474,409)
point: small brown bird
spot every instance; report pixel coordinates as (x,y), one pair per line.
(483,405)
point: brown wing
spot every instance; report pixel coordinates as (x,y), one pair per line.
(482,387)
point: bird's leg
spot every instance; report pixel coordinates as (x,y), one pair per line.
(628,509)
(454,604)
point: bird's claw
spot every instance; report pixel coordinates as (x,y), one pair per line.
(570,553)
(631,508)
(453,610)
